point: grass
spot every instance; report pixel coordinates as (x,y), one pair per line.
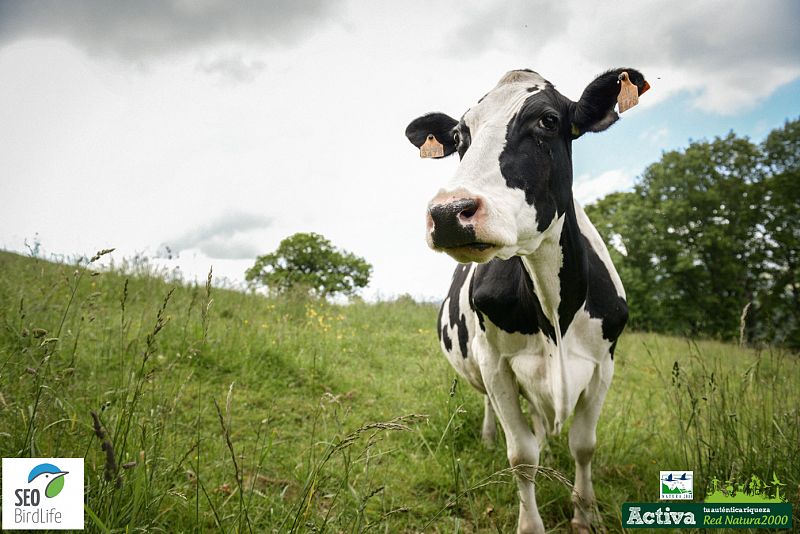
(201,409)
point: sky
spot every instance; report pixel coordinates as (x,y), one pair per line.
(201,133)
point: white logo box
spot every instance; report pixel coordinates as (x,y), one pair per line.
(27,502)
(679,483)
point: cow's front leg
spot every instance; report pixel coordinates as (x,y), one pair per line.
(582,443)
(522,445)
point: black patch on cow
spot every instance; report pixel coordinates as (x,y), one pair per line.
(439,329)
(574,271)
(502,290)
(448,343)
(613,349)
(458,319)
(602,300)
(465,138)
(472,304)
(539,161)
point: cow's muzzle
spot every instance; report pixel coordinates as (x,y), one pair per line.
(453,224)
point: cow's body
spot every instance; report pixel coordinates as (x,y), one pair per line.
(498,301)
(536,307)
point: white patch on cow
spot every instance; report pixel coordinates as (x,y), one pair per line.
(536,361)
(585,341)
(543,264)
(593,236)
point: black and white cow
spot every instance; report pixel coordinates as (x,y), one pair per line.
(536,306)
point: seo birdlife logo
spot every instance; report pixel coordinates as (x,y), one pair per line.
(52,475)
(43,493)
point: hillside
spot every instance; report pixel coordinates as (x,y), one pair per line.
(234,412)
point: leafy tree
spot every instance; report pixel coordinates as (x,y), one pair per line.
(688,233)
(780,292)
(708,230)
(308,262)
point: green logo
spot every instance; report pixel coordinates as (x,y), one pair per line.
(676,485)
(753,491)
(53,474)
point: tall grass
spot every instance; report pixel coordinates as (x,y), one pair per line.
(735,423)
(200,409)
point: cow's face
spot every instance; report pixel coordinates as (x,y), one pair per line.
(515,177)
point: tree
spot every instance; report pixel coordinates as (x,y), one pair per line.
(691,235)
(708,230)
(310,263)
(780,291)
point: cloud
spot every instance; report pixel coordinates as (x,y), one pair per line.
(532,23)
(654,135)
(588,189)
(142,29)
(222,238)
(233,67)
(726,56)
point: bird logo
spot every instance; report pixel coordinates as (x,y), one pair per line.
(669,478)
(52,474)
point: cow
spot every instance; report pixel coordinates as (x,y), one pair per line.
(536,306)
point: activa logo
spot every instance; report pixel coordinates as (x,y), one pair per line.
(36,496)
(643,514)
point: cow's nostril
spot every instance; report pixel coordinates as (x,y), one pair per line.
(468,213)
(469,209)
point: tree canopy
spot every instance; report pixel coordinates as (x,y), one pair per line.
(308,262)
(707,231)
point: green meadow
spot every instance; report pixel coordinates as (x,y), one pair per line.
(201,409)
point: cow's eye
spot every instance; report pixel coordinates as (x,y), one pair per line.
(548,122)
(456,138)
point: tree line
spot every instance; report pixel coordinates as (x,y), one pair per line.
(708,241)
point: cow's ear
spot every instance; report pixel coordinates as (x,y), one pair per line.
(437,124)
(594,112)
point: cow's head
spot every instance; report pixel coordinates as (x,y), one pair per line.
(515,176)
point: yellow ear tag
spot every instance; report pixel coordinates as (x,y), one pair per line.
(431,148)
(628,93)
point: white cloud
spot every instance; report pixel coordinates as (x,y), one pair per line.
(655,135)
(727,56)
(587,189)
(233,67)
(224,237)
(146,28)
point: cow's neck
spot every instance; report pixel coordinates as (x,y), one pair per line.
(558,268)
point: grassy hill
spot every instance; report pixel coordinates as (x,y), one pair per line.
(223,411)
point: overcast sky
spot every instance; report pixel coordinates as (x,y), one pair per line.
(218,128)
